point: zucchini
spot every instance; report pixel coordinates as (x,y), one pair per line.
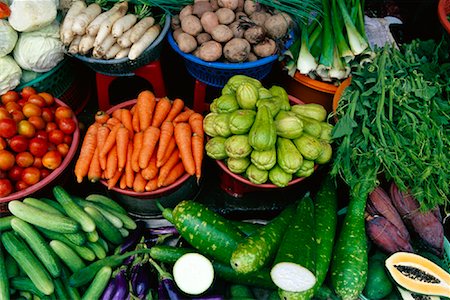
(60,290)
(42,205)
(67,255)
(42,218)
(169,255)
(12,268)
(242,292)
(255,251)
(4,283)
(5,223)
(294,265)
(117,222)
(73,210)
(26,285)
(107,230)
(107,202)
(37,243)
(54,204)
(246,227)
(92,236)
(209,232)
(28,262)
(97,248)
(99,283)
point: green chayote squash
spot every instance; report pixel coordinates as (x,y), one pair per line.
(264,93)
(311,110)
(264,160)
(309,147)
(242,120)
(279,177)
(208,124)
(213,106)
(326,154)
(306,169)
(222,124)
(311,126)
(235,81)
(255,175)
(226,104)
(288,125)
(237,146)
(288,157)
(263,134)
(215,148)
(325,133)
(228,90)
(238,165)
(247,95)
(272,104)
(278,91)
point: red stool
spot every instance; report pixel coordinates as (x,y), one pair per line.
(151,72)
(200,105)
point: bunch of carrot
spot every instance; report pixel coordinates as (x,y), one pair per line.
(143,148)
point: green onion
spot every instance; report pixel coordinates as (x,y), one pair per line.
(306,62)
(357,43)
(341,43)
(326,59)
(299,9)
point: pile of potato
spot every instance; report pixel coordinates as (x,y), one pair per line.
(236,30)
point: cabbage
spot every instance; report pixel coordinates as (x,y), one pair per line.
(40,50)
(8,38)
(31,15)
(10,74)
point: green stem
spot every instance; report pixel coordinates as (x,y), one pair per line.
(160,270)
(344,50)
(326,58)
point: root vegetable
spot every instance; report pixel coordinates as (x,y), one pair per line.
(241,16)
(222,34)
(145,41)
(124,40)
(209,21)
(236,50)
(237,29)
(66,33)
(210,51)
(123,24)
(175,22)
(86,44)
(94,26)
(96,55)
(186,11)
(75,45)
(106,45)
(203,38)
(276,26)
(186,42)
(118,11)
(82,21)
(201,7)
(138,30)
(122,53)
(252,57)
(259,18)
(240,6)
(214,4)
(112,52)
(266,48)
(191,25)
(255,34)
(177,32)
(251,6)
(225,15)
(231,4)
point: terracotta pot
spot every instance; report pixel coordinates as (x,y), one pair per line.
(339,93)
(443,11)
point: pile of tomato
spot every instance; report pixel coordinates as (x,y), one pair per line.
(35,136)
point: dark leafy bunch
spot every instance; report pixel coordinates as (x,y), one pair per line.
(394,120)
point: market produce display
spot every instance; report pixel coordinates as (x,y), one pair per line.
(143,147)
(260,134)
(35,136)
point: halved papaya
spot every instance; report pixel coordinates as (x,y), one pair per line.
(408,295)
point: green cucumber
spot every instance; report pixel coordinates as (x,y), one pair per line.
(73,210)
(25,284)
(305,295)
(169,255)
(294,265)
(99,283)
(104,244)
(5,223)
(78,238)
(4,283)
(96,198)
(54,204)
(209,232)
(42,218)
(37,243)
(98,249)
(241,292)
(117,222)
(107,230)
(123,232)
(28,262)
(12,268)
(378,285)
(256,250)
(60,290)
(67,255)
(42,205)
(128,223)
(92,236)
(71,291)
(246,227)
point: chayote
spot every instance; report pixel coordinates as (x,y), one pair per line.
(306,169)
(237,146)
(263,134)
(226,104)
(264,93)
(228,90)
(247,95)
(281,94)
(235,81)
(311,110)
(222,124)
(208,124)
(325,134)
(238,165)
(326,154)
(264,160)
(311,126)
(288,157)
(256,175)
(308,146)
(288,125)
(213,106)
(242,120)
(215,148)
(271,103)
(279,177)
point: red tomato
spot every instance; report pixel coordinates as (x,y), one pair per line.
(37,100)
(49,100)
(7,160)
(10,96)
(44,173)
(67,125)
(56,136)
(4,114)
(26,129)
(21,185)
(68,139)
(63,149)
(30,109)
(37,121)
(17,116)
(27,92)
(63,112)
(15,173)
(38,147)
(42,134)
(38,162)
(52,160)
(6,187)
(22,102)
(51,126)
(8,128)
(18,143)
(3,143)
(31,175)
(47,114)
(11,106)
(24,159)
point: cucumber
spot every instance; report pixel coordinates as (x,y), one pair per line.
(73,210)
(4,283)
(67,255)
(37,243)
(71,291)
(169,255)
(246,227)
(378,285)
(78,238)
(255,251)
(92,236)
(294,265)
(128,223)
(105,227)
(26,285)
(5,223)
(167,213)
(99,283)
(54,204)
(28,262)
(209,232)
(98,249)
(12,268)
(107,202)
(42,205)
(42,218)
(60,290)
(104,244)
(117,222)
(242,292)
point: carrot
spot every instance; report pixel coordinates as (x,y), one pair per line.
(112,122)
(170,148)
(86,152)
(184,116)
(197,153)
(177,107)
(146,40)
(95,171)
(149,141)
(137,144)
(107,146)
(164,139)
(161,110)
(135,121)
(101,117)
(174,174)
(111,163)
(196,122)
(88,15)
(138,30)
(102,135)
(151,171)
(123,24)
(129,173)
(113,180)
(152,185)
(165,169)
(146,103)
(139,183)
(123,182)
(117,114)
(183,138)
(122,138)
(127,120)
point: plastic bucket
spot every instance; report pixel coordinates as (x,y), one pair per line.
(339,93)
(443,12)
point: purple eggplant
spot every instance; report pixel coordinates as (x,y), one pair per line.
(167,281)
(110,289)
(162,294)
(209,297)
(133,239)
(140,280)
(122,286)
(163,230)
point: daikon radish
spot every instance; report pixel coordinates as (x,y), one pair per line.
(146,40)
(95,54)
(75,45)
(122,53)
(124,39)
(106,26)
(123,24)
(140,28)
(94,26)
(86,44)
(82,21)
(112,52)
(66,33)
(106,44)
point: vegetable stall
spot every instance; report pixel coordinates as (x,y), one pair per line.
(256,193)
